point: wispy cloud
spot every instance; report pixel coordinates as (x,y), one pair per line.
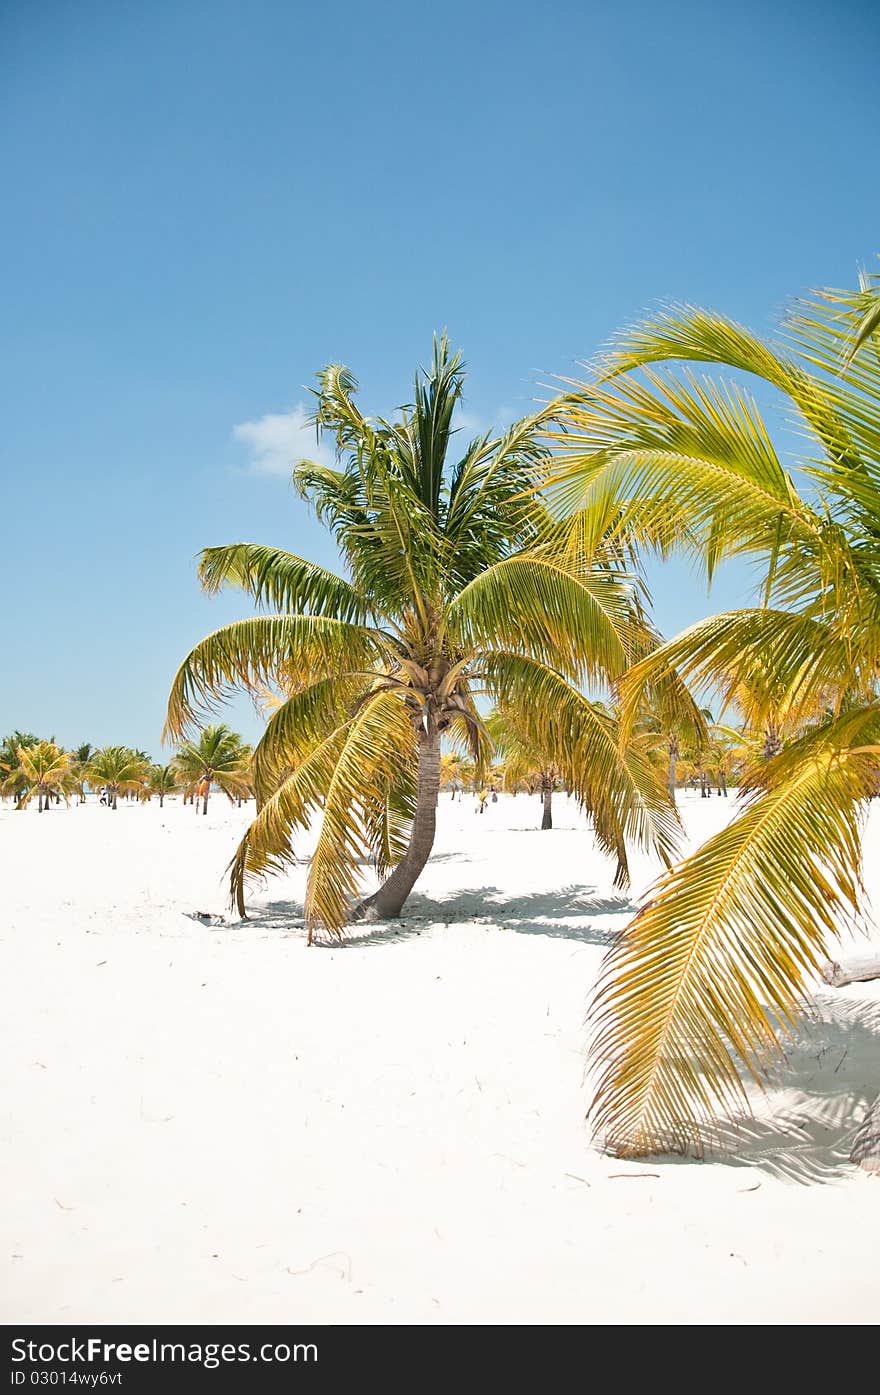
(278,440)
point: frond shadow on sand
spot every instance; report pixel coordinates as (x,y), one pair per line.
(574,913)
(804,1127)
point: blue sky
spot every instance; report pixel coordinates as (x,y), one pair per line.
(206,201)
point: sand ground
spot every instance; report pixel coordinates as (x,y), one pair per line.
(213,1123)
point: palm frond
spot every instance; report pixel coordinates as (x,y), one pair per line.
(619,785)
(252,653)
(282,581)
(575,619)
(694,992)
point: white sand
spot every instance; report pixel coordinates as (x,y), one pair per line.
(217,1124)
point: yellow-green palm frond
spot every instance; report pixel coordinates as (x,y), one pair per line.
(619,785)
(693,335)
(299,724)
(358,779)
(694,992)
(251,653)
(670,460)
(575,619)
(266,847)
(282,581)
(378,758)
(769,661)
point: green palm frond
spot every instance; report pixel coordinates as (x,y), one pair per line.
(671,461)
(766,660)
(579,620)
(619,786)
(255,652)
(280,580)
(378,755)
(694,993)
(266,847)
(301,723)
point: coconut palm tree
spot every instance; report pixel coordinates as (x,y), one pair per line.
(162,780)
(455,772)
(450,593)
(524,761)
(717,963)
(43,770)
(81,755)
(13,781)
(117,769)
(219,757)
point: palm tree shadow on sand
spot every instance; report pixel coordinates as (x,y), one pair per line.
(573,913)
(805,1126)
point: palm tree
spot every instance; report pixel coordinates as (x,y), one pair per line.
(455,772)
(81,755)
(13,781)
(118,769)
(219,757)
(697,990)
(162,780)
(43,770)
(450,593)
(524,761)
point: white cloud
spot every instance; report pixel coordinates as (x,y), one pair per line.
(278,440)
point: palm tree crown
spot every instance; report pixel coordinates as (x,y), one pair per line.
(117,769)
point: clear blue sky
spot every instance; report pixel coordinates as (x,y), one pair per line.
(206,201)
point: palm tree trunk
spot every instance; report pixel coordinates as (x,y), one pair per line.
(205,806)
(389,900)
(113,803)
(673,765)
(547,801)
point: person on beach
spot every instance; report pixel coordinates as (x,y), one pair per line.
(483,796)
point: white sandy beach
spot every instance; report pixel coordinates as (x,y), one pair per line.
(212,1123)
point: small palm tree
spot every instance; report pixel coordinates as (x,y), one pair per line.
(43,770)
(81,755)
(452,592)
(524,763)
(162,780)
(118,769)
(219,757)
(13,782)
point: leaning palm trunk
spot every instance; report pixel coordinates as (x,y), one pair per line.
(388,901)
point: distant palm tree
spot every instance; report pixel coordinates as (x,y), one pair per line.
(81,756)
(43,770)
(118,769)
(162,780)
(13,781)
(526,763)
(219,757)
(452,591)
